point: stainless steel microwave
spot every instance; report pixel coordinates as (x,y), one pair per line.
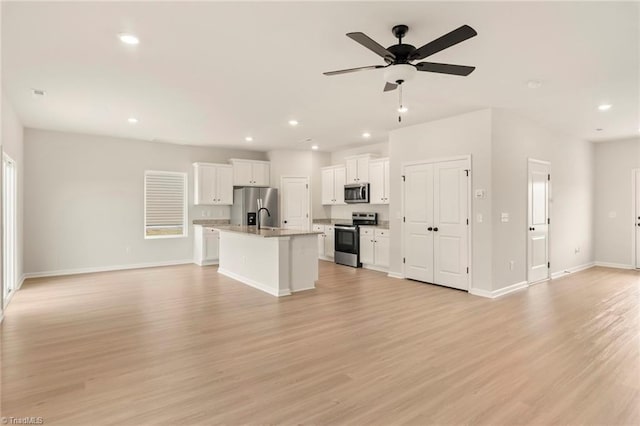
(356,193)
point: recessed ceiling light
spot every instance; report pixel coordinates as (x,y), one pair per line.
(315,147)
(604,107)
(132,120)
(366,135)
(248,139)
(403,109)
(534,84)
(293,123)
(128,38)
(38,92)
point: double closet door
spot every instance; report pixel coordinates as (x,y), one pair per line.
(436,221)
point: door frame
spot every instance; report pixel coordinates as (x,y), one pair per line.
(549,196)
(635,213)
(309,198)
(6,297)
(468,158)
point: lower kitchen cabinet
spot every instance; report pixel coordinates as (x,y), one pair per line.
(325,241)
(374,248)
(206,246)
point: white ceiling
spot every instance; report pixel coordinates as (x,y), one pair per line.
(213,73)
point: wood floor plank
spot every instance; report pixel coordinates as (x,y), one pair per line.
(183,344)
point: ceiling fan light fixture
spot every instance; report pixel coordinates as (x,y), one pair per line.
(399,73)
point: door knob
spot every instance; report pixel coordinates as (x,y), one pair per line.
(532,229)
(435,229)
(430,228)
(285,221)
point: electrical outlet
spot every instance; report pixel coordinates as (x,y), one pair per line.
(512,264)
(479,218)
(577,250)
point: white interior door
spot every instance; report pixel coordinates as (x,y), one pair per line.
(9,227)
(636,177)
(450,219)
(538,221)
(418,218)
(295,203)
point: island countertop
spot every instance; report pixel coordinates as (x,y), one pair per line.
(264,232)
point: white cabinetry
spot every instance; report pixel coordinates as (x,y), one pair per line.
(205,246)
(358,168)
(325,241)
(250,172)
(333,181)
(379,181)
(213,184)
(374,248)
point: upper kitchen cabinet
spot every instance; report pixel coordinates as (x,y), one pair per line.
(379,181)
(213,184)
(250,172)
(333,181)
(358,168)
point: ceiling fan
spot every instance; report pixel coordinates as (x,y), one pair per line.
(399,57)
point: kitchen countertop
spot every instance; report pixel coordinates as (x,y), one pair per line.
(211,222)
(382,224)
(264,232)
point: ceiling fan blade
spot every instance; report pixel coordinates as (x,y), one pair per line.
(390,86)
(372,45)
(456,36)
(371,67)
(445,68)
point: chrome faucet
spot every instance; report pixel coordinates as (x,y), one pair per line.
(259,211)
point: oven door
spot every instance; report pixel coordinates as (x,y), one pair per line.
(358,193)
(346,240)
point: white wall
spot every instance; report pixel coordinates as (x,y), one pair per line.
(338,157)
(13,144)
(455,136)
(613,209)
(572,178)
(84,200)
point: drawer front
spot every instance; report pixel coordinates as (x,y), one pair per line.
(328,229)
(318,228)
(382,232)
(366,231)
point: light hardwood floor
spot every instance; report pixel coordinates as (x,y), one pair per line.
(184,345)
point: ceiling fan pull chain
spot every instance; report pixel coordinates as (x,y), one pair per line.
(400,102)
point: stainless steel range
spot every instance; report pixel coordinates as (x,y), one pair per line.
(347,238)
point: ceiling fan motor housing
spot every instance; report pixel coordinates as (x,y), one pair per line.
(398,74)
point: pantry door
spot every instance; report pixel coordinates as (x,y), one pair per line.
(539,178)
(295,203)
(418,219)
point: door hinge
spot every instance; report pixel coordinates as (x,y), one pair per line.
(404,219)
(307,186)
(549,176)
(467,269)
(548,221)
(548,264)
(404,260)
(467,221)
(403,178)
(467,172)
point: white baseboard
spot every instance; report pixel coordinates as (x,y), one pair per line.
(560,274)
(395,275)
(499,292)
(614,265)
(375,268)
(62,272)
(254,284)
(303,289)
(207,263)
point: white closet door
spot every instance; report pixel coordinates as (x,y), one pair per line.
(450,224)
(637,217)
(538,217)
(418,208)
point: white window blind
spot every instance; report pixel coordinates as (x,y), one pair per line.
(165,204)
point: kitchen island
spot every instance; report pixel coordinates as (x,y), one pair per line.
(276,261)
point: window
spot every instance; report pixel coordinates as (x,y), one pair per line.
(165,204)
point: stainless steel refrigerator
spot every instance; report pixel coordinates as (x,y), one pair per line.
(245,206)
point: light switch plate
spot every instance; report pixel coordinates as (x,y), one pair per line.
(613,215)
(480,193)
(504,217)
(479,218)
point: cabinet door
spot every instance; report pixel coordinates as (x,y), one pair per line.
(242,173)
(381,250)
(320,228)
(329,241)
(366,246)
(211,243)
(376,182)
(261,174)
(386,182)
(224,185)
(327,186)
(205,178)
(363,169)
(352,170)
(339,176)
